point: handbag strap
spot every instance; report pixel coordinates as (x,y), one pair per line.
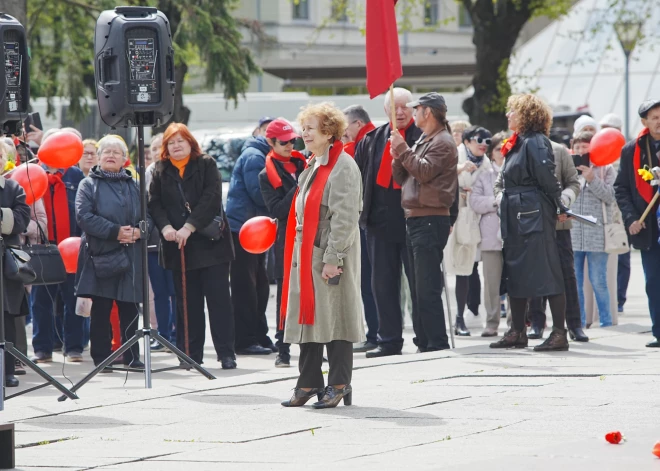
(602,177)
(183,197)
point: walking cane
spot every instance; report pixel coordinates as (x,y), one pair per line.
(444,279)
(185,300)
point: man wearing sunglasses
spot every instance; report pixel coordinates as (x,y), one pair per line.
(278,182)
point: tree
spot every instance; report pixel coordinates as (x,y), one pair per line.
(203,31)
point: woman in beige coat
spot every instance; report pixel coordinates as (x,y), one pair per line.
(321,292)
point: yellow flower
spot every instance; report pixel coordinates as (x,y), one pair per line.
(645,174)
(9,166)
(504,141)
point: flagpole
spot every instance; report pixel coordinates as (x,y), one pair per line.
(392,107)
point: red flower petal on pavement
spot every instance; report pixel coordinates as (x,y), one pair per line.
(614,437)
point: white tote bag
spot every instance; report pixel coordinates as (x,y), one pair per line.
(616,237)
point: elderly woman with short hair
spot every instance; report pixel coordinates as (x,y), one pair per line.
(108,211)
(321,292)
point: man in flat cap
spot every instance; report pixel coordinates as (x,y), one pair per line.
(633,195)
(427,175)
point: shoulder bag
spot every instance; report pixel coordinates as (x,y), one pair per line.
(17,266)
(215,230)
(46,261)
(616,238)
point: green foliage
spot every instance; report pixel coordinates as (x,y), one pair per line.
(61,39)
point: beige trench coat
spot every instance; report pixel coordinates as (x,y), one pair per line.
(338,309)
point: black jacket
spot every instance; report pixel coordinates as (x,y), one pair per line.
(103,205)
(202,186)
(631,204)
(278,201)
(529,217)
(368,155)
(15,216)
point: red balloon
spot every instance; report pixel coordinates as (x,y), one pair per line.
(63,149)
(33,179)
(69,249)
(656,450)
(258,234)
(606,146)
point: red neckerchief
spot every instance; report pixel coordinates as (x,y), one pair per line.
(310,226)
(57,208)
(384,177)
(508,145)
(349,147)
(271,171)
(643,187)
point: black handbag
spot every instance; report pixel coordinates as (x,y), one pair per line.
(111,264)
(215,230)
(46,261)
(17,266)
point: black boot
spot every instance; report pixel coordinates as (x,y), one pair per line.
(535,332)
(512,339)
(460,328)
(578,335)
(556,342)
(301,397)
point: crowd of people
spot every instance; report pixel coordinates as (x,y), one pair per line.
(366,217)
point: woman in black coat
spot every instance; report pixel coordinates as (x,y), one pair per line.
(14,219)
(109,270)
(278,182)
(183,168)
(529,209)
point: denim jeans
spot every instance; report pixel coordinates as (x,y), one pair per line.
(43,304)
(651,264)
(426,238)
(598,277)
(162,282)
(622,278)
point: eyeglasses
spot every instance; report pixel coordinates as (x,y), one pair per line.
(116,153)
(284,143)
(481,140)
(89,154)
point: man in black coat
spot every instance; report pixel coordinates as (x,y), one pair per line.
(382,218)
(278,182)
(633,195)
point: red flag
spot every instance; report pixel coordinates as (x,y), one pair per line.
(383,54)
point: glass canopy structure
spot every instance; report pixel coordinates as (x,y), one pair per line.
(577,63)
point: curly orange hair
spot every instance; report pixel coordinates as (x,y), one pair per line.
(534,114)
(332,120)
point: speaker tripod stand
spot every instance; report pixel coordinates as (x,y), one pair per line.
(146,333)
(8,348)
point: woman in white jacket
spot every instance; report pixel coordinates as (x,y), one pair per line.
(476,140)
(483,202)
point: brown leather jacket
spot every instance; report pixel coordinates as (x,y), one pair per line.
(427,175)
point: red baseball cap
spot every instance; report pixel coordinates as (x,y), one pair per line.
(281,129)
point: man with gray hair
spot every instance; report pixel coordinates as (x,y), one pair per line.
(383,220)
(359,124)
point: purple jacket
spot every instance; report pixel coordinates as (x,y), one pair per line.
(482,201)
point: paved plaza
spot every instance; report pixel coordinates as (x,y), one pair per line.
(471,408)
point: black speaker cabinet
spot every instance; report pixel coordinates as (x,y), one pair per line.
(15,83)
(134,67)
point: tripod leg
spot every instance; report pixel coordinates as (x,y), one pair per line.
(2,376)
(451,327)
(129,343)
(25,360)
(183,356)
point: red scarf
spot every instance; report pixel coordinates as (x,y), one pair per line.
(643,187)
(384,176)
(508,145)
(349,147)
(57,208)
(271,171)
(310,226)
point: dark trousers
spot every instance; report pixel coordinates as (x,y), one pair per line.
(10,336)
(622,278)
(100,331)
(162,283)
(368,301)
(282,348)
(340,361)
(465,289)
(210,284)
(537,306)
(651,265)
(44,333)
(386,261)
(249,295)
(426,239)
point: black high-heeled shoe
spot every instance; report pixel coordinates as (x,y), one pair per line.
(333,396)
(301,397)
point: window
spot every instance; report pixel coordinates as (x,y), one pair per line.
(464,20)
(431,12)
(300,10)
(339,11)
